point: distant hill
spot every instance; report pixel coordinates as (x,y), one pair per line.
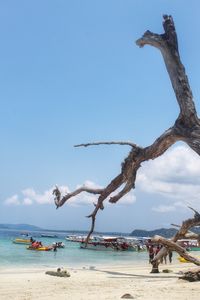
(165,232)
(25,227)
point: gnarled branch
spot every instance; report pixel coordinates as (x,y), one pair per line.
(172,244)
(168,45)
(190,234)
(107,143)
(186,127)
(59,201)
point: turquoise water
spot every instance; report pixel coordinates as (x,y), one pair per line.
(15,255)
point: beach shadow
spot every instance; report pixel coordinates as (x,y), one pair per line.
(131,275)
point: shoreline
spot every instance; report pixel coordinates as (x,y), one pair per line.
(100,282)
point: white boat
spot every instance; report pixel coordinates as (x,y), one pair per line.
(190,245)
(82,238)
(75,238)
(108,244)
(49,235)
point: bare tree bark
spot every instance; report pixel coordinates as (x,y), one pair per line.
(170,245)
(191,275)
(183,232)
(186,128)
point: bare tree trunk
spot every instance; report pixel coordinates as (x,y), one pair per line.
(155,265)
(186,127)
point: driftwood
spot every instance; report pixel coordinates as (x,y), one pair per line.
(172,245)
(127,296)
(186,127)
(191,275)
(58,273)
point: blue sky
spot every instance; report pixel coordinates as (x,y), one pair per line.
(71,73)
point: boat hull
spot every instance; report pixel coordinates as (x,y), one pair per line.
(106,247)
(183,260)
(96,248)
(194,249)
(22,241)
(40,248)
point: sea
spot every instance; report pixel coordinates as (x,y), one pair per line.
(18,256)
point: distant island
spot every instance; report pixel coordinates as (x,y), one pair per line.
(25,227)
(165,232)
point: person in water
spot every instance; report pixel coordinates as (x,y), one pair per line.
(32,240)
(55,246)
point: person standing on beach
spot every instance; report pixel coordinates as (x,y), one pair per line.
(170,256)
(151,253)
(157,249)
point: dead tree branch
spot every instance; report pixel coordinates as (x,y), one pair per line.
(170,245)
(189,235)
(173,243)
(108,143)
(186,127)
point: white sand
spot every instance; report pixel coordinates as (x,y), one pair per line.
(103,283)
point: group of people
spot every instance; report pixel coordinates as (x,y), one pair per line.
(153,251)
(58,245)
(35,244)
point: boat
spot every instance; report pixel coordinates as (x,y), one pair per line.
(25,234)
(49,235)
(22,241)
(97,246)
(183,260)
(42,248)
(109,244)
(75,238)
(190,245)
(193,249)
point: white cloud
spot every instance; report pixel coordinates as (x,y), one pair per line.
(163,208)
(91,184)
(29,196)
(45,198)
(29,193)
(12,200)
(27,201)
(174,176)
(130,198)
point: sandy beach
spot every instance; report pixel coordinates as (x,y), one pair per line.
(105,283)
